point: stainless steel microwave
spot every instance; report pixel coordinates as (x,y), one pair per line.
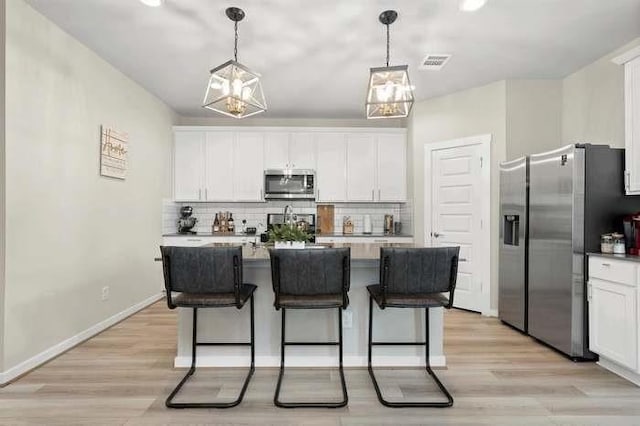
(289,184)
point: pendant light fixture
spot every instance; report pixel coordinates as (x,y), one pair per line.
(390,93)
(234,89)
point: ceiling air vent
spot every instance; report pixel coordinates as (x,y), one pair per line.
(435,62)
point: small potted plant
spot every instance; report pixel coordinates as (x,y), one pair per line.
(286,236)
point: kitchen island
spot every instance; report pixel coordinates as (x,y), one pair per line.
(231,324)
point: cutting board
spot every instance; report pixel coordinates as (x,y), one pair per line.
(325,215)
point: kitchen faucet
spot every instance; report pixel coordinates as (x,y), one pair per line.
(289,221)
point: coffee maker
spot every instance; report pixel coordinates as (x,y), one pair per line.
(632,233)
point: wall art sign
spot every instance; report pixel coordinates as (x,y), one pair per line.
(114,147)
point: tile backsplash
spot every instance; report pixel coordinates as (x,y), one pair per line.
(256,214)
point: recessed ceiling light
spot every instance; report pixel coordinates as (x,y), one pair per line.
(471,5)
(152,3)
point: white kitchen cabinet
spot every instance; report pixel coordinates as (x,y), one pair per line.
(631,62)
(392,168)
(302,151)
(361,167)
(331,181)
(248,166)
(613,322)
(276,150)
(218,160)
(188,166)
(614,316)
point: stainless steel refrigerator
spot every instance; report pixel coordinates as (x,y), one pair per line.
(514,211)
(576,193)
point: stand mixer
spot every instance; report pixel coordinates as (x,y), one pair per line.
(186,221)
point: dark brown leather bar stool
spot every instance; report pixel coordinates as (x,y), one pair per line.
(206,277)
(310,279)
(413,278)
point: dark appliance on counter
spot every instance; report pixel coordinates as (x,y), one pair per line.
(289,184)
(576,194)
(306,222)
(514,241)
(631,224)
(186,221)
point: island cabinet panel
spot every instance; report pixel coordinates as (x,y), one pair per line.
(248,166)
(331,167)
(219,166)
(188,166)
(361,167)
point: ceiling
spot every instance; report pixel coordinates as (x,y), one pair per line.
(315,56)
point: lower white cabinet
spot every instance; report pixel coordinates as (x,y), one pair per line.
(613,325)
(613,299)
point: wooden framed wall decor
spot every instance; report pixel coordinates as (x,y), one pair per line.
(114,147)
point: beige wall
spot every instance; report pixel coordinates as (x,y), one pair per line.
(69,231)
(285,122)
(534,116)
(2,178)
(593,102)
(477,111)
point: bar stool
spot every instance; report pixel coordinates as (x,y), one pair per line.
(310,279)
(413,278)
(206,277)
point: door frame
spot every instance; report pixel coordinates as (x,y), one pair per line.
(485,211)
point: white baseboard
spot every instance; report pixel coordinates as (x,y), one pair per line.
(491,313)
(623,372)
(65,345)
(308,361)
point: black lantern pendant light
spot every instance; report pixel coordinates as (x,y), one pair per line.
(390,94)
(234,89)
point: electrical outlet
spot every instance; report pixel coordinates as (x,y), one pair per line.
(347,319)
(105,292)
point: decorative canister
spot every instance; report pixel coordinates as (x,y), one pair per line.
(606,243)
(619,246)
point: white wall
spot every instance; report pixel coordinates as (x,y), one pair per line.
(593,102)
(2,177)
(477,111)
(534,116)
(69,231)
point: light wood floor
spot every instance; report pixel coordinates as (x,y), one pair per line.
(496,375)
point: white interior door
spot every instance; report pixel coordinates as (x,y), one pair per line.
(457,195)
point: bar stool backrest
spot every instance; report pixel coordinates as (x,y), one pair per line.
(310,272)
(198,270)
(418,270)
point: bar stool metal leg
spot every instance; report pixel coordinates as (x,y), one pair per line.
(284,343)
(194,344)
(383,401)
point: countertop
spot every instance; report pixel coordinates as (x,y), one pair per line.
(358,251)
(626,257)
(334,235)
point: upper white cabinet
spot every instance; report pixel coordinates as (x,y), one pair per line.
(248,166)
(361,167)
(631,62)
(188,166)
(295,150)
(352,165)
(218,165)
(331,181)
(392,168)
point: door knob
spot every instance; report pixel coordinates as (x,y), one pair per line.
(435,235)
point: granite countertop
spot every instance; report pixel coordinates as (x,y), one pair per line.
(361,235)
(626,257)
(358,251)
(334,235)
